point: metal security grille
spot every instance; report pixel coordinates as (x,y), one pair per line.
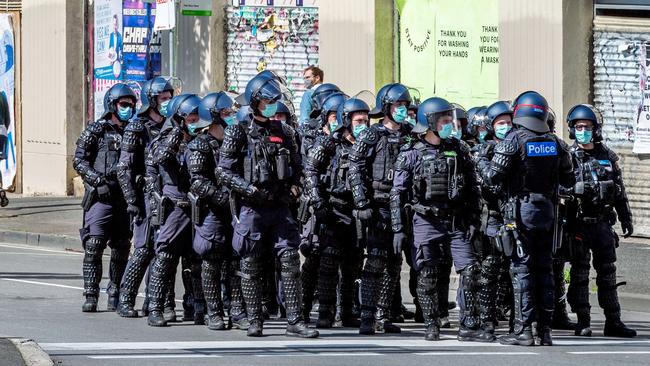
(11,5)
(617,95)
(282,39)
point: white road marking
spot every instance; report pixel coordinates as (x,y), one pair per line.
(40,254)
(322,354)
(610,353)
(41,283)
(476,353)
(66,286)
(320,342)
(27,247)
(112,357)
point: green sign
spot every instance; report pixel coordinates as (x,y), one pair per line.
(196,7)
(450,49)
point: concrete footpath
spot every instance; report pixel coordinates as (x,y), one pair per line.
(22,352)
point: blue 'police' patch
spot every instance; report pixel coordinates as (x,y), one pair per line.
(605,162)
(547,148)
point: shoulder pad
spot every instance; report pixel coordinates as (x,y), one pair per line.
(369,136)
(235,132)
(96,127)
(506,147)
(611,155)
(136,126)
(199,143)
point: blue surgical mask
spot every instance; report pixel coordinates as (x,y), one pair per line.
(270,110)
(124,113)
(333,126)
(481,136)
(230,120)
(356,132)
(446,131)
(501,131)
(411,121)
(457,134)
(163,108)
(400,114)
(584,136)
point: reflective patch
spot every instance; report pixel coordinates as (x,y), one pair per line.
(547,148)
(450,153)
(605,162)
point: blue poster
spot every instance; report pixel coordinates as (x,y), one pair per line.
(141,56)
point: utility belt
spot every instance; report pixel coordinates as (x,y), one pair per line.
(92,195)
(165,205)
(604,217)
(433,211)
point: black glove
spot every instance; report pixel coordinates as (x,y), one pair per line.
(398,242)
(363,214)
(134,212)
(628,229)
(257,194)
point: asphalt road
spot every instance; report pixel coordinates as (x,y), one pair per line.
(41,296)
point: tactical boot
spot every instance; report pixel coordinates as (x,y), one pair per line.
(255,329)
(561,318)
(92,272)
(215,322)
(125,308)
(301,330)
(290,274)
(466,334)
(486,333)
(240,322)
(367,326)
(432,333)
(523,338)
(158,288)
(583,327)
(90,305)
(383,323)
(544,335)
(614,327)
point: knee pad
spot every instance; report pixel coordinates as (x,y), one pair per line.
(94,247)
(290,262)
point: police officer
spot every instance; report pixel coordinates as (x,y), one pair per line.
(528,165)
(601,198)
(372,161)
(261,165)
(496,124)
(155,96)
(211,212)
(105,218)
(175,233)
(331,202)
(438,179)
(561,318)
(309,240)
